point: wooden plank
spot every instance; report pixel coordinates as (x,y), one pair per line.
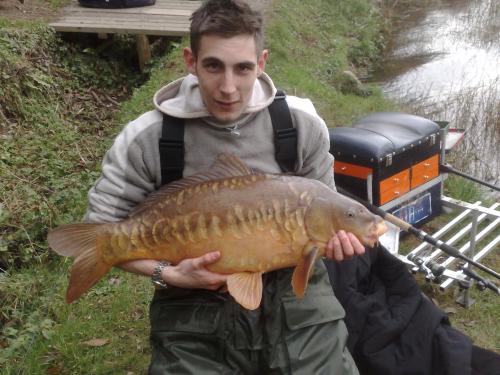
(75,6)
(125,16)
(182,5)
(133,28)
(118,24)
(113,12)
(92,28)
(122,22)
(170,3)
(166,17)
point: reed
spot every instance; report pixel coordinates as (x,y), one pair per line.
(477,110)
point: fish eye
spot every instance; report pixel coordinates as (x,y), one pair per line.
(350,213)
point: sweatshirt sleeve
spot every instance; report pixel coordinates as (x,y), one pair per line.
(129,172)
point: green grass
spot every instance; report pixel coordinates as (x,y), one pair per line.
(58,116)
(59,336)
(57,109)
(332,37)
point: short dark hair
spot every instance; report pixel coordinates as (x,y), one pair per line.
(226,18)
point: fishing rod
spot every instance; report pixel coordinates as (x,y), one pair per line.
(449,169)
(450,250)
(484,283)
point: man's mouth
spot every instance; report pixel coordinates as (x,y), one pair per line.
(226,104)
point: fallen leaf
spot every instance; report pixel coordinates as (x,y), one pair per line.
(96,342)
(55,370)
(450,310)
(115,281)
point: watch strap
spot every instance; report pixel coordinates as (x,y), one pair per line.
(156,278)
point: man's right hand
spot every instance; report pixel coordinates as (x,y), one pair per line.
(190,273)
(193,274)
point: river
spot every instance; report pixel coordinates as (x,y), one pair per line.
(443,62)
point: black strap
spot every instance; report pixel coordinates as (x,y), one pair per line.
(285,135)
(171,146)
(171,143)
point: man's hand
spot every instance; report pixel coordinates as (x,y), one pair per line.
(192,273)
(343,246)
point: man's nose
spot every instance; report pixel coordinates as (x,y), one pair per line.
(228,84)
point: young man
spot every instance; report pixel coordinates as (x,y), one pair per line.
(196,328)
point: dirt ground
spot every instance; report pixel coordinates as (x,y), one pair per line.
(26,9)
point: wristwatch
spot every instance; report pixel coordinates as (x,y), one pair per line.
(156,278)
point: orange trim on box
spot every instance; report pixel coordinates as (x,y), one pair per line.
(399,179)
(424,171)
(393,193)
(352,170)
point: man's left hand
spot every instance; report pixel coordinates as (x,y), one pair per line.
(343,246)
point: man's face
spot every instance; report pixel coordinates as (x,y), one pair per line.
(226,69)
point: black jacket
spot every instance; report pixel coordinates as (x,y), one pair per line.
(393,328)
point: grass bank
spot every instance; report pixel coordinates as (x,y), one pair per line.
(58,107)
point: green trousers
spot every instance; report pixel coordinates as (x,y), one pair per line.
(201,332)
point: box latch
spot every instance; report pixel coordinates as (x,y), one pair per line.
(432,140)
(388,160)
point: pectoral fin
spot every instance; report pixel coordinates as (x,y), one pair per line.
(246,288)
(302,272)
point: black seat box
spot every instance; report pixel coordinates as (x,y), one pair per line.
(396,152)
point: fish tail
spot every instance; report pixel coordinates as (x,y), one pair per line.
(79,241)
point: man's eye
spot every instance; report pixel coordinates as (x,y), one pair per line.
(245,69)
(211,66)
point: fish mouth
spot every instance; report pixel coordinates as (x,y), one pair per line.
(380,228)
(377,229)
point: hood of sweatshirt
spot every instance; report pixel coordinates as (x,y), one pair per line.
(182,98)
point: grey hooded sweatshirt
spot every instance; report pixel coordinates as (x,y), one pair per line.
(131,167)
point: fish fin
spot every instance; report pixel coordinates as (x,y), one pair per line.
(246,288)
(225,166)
(79,240)
(71,239)
(303,271)
(87,270)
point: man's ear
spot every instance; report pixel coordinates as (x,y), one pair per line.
(261,62)
(189,60)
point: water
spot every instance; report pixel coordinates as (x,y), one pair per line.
(443,63)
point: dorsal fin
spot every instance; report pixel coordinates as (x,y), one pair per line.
(225,166)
